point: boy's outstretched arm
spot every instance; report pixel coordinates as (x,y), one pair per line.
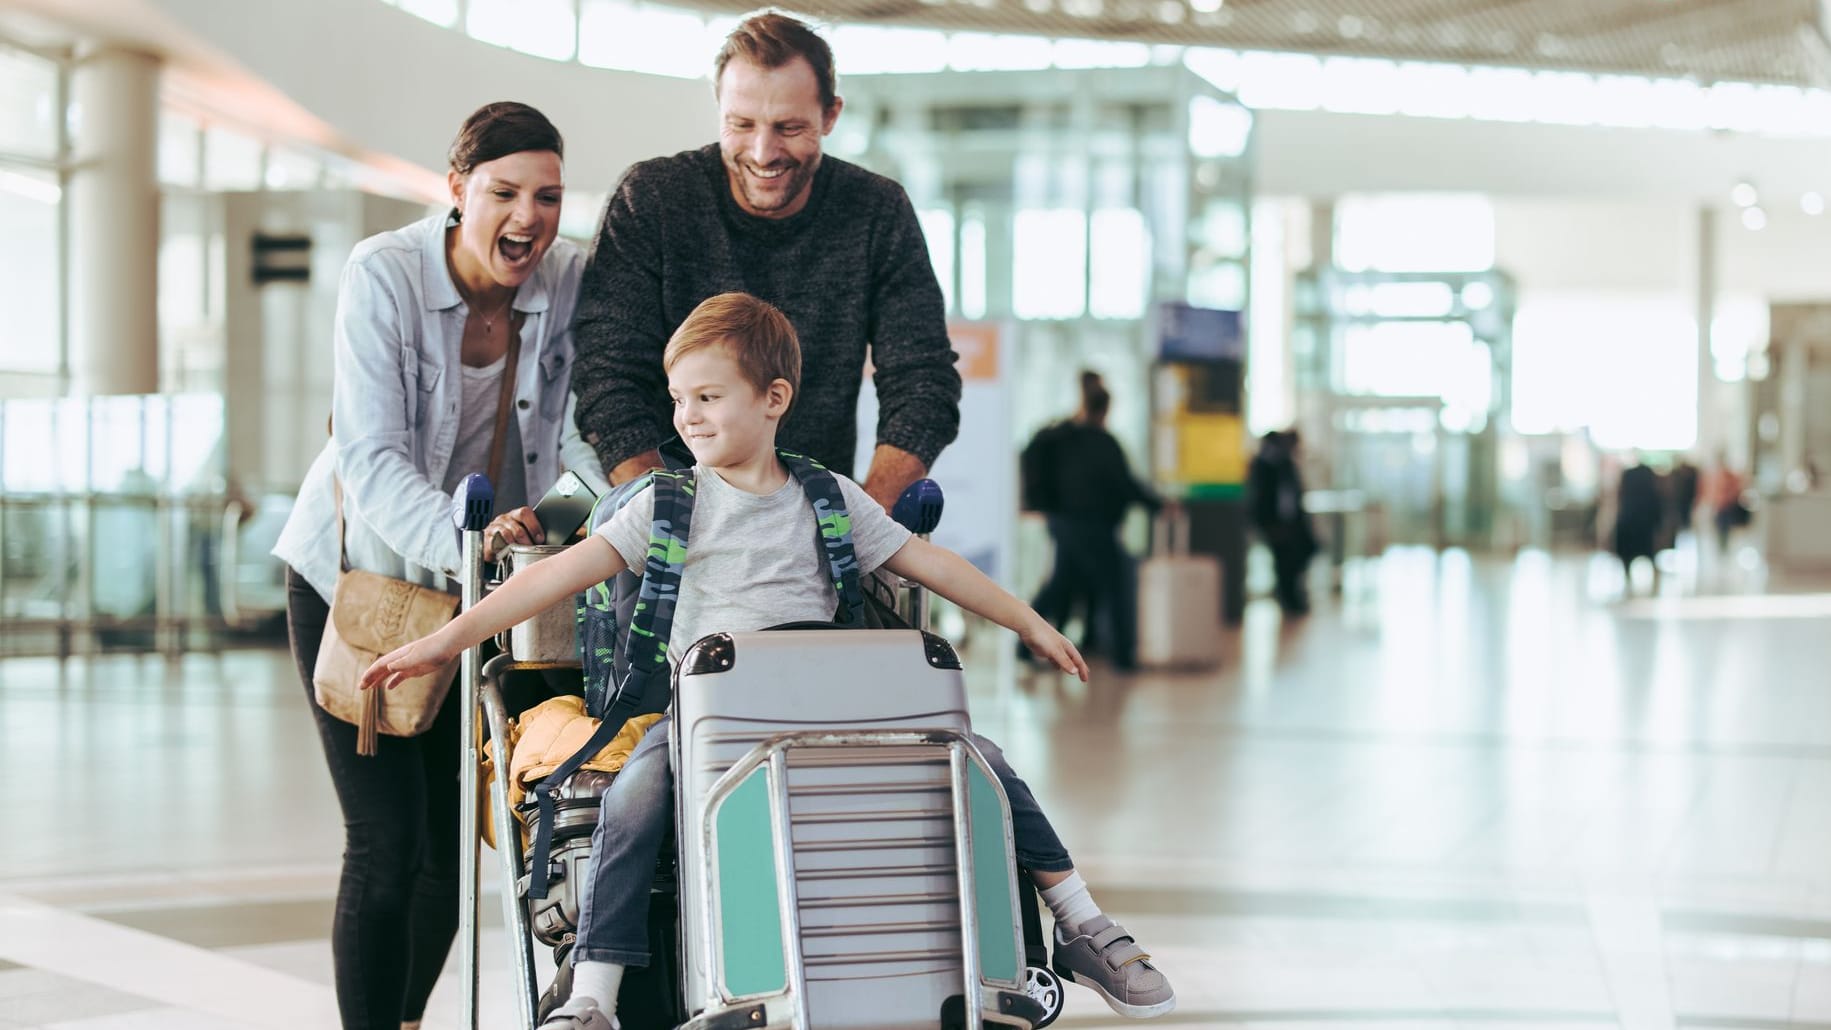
(955,578)
(522,596)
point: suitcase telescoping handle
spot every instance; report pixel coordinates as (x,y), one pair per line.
(1170,532)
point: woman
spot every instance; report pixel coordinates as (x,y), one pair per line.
(423,333)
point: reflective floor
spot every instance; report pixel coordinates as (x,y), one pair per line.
(1468,792)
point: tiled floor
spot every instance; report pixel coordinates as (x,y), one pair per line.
(1473,792)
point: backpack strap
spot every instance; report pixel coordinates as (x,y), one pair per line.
(646,649)
(835,533)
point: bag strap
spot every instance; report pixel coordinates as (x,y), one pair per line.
(505,403)
(834,538)
(646,647)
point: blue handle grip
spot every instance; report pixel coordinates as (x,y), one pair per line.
(472,503)
(919,509)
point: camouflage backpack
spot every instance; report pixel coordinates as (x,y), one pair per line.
(627,671)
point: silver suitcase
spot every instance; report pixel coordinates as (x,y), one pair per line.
(826,779)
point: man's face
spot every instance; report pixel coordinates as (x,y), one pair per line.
(770,127)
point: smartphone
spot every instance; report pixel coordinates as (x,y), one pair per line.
(565,508)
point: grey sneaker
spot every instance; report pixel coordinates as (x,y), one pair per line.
(589,1018)
(1103,956)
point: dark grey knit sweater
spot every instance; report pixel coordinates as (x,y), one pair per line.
(850,270)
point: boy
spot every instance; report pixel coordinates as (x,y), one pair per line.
(733,367)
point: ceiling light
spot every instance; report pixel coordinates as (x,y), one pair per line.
(1754,219)
(1812,203)
(1205,6)
(1744,194)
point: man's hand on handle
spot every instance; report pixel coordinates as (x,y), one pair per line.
(632,467)
(892,470)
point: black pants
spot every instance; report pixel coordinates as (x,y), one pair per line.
(1090,568)
(397,900)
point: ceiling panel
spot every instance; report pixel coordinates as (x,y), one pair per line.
(1776,41)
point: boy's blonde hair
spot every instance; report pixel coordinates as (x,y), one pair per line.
(756,334)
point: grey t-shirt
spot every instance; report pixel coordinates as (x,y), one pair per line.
(752,559)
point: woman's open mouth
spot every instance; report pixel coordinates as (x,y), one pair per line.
(515,248)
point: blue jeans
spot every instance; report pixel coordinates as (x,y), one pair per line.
(634,818)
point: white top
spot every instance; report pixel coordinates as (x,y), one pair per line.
(753,561)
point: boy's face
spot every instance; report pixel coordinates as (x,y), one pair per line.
(724,420)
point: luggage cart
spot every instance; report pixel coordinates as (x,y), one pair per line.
(484,708)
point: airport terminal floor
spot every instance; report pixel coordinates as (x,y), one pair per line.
(1470,791)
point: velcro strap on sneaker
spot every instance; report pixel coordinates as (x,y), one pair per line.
(1116,947)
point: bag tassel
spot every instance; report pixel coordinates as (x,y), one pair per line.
(371,719)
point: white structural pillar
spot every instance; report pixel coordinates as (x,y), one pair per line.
(114,223)
(1710,430)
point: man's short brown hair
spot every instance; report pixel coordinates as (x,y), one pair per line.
(757,335)
(771,39)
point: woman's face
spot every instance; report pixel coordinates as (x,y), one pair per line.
(511,212)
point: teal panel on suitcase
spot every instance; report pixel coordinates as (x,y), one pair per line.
(992,899)
(750,928)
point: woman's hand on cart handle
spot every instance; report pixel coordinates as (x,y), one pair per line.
(520,526)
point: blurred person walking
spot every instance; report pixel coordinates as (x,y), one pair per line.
(453,353)
(1682,493)
(1723,490)
(1274,497)
(1640,516)
(1077,476)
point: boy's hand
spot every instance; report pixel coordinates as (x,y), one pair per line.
(423,656)
(1044,642)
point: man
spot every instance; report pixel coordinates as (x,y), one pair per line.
(1274,492)
(1085,486)
(835,247)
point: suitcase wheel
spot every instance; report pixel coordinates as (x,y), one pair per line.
(1044,988)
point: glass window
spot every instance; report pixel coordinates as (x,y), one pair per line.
(579,215)
(1099,53)
(644,38)
(1121,263)
(938,230)
(1291,81)
(231,161)
(544,28)
(178,151)
(866,49)
(976,51)
(1359,85)
(1415,233)
(1421,359)
(291,170)
(28,271)
(972,265)
(1049,273)
(439,12)
(1218,129)
(28,98)
(1572,351)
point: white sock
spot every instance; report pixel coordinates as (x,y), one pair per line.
(594,985)
(1070,903)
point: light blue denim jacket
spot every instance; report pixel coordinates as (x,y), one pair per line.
(395,404)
